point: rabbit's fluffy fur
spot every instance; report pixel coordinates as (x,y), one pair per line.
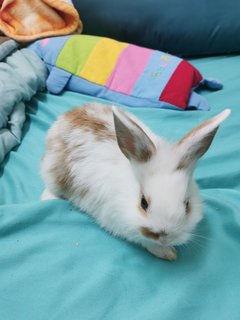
(133,183)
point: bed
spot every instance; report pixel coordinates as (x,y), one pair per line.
(56,263)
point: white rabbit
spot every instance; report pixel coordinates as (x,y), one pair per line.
(133,183)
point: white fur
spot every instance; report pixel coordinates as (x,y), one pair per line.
(115,184)
(47,195)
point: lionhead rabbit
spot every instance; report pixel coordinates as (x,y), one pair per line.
(135,184)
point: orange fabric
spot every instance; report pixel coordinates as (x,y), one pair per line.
(26,20)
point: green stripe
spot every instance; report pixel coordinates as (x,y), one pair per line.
(75,53)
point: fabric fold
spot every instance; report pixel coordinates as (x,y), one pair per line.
(22,74)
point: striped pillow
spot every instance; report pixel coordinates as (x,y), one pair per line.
(120,72)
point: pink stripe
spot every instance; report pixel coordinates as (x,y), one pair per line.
(129,67)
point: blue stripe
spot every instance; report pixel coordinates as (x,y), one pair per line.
(155,76)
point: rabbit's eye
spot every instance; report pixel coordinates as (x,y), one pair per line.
(187,206)
(144,203)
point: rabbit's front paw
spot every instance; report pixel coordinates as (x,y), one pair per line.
(166,253)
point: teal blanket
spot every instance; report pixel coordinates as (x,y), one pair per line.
(57,264)
(22,74)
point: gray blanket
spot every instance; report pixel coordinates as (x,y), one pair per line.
(22,74)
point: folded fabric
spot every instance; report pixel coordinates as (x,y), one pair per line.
(33,19)
(22,74)
(121,72)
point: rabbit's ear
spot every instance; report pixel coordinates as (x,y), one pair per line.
(132,140)
(194,144)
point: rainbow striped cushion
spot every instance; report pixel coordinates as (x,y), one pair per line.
(120,72)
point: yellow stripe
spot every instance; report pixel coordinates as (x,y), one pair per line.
(102,60)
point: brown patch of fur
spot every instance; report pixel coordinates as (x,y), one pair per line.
(60,170)
(182,165)
(80,118)
(149,234)
(145,155)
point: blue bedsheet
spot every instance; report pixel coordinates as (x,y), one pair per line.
(57,264)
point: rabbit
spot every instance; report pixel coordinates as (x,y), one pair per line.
(135,184)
